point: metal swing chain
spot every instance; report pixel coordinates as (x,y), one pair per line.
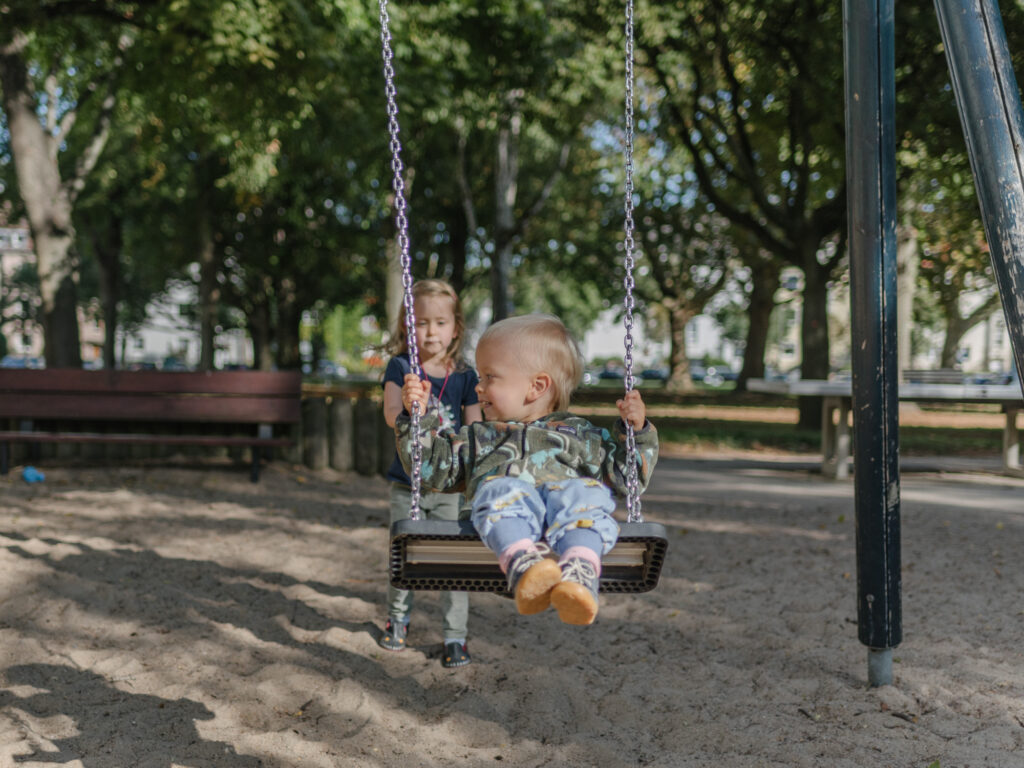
(402,230)
(632,481)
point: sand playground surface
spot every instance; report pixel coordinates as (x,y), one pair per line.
(163,616)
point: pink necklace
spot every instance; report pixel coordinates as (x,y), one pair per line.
(444,384)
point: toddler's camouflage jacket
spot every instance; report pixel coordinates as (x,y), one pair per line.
(557,447)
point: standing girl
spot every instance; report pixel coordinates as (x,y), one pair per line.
(440,335)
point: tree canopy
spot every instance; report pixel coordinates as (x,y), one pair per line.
(242,146)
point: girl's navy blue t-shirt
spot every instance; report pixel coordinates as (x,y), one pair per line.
(459,391)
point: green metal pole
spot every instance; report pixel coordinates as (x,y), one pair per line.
(869,37)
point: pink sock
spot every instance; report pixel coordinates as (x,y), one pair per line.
(516,546)
(584,553)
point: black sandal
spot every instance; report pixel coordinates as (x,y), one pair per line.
(454,654)
(393,637)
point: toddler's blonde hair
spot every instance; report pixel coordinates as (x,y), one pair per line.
(542,344)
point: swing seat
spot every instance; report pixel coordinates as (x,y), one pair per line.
(443,555)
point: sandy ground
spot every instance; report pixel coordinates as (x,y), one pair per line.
(156,616)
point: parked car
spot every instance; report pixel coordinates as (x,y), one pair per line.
(774,374)
(612,374)
(716,375)
(654,374)
(327,369)
(173,363)
(20,361)
(989,379)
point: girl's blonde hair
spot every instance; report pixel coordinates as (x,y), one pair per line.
(542,344)
(398,344)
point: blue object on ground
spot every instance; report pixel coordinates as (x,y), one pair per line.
(32,475)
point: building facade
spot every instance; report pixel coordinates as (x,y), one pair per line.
(167,339)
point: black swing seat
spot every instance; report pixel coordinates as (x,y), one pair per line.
(442,555)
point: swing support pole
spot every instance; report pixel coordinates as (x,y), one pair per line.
(993,121)
(869,52)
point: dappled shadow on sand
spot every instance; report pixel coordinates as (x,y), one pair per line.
(106,723)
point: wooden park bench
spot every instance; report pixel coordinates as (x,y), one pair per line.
(218,408)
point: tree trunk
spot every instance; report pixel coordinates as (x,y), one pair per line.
(679,361)
(258,319)
(505,192)
(108,256)
(48,206)
(209,290)
(57,286)
(958,325)
(111,297)
(765,284)
(908,261)
(288,317)
(814,337)
(393,285)
(949,346)
(501,304)
(459,244)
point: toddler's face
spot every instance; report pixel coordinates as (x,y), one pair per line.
(435,327)
(505,386)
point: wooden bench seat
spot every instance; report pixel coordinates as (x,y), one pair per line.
(217,408)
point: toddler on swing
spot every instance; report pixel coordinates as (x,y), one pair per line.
(531,469)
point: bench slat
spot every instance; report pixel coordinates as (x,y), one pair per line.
(101,437)
(121,407)
(73,380)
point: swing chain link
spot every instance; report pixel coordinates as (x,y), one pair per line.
(632,481)
(402,231)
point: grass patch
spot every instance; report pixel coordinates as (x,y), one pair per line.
(950,441)
(714,434)
(718,434)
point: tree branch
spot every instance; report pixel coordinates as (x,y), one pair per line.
(982,311)
(463,179)
(739,140)
(91,154)
(735,214)
(545,192)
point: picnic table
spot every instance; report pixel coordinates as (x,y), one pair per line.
(837,399)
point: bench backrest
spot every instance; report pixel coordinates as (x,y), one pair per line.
(247,397)
(934,376)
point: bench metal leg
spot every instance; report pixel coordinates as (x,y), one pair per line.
(835,438)
(263,431)
(34,449)
(1012,441)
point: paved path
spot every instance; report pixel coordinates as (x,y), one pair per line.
(959,482)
